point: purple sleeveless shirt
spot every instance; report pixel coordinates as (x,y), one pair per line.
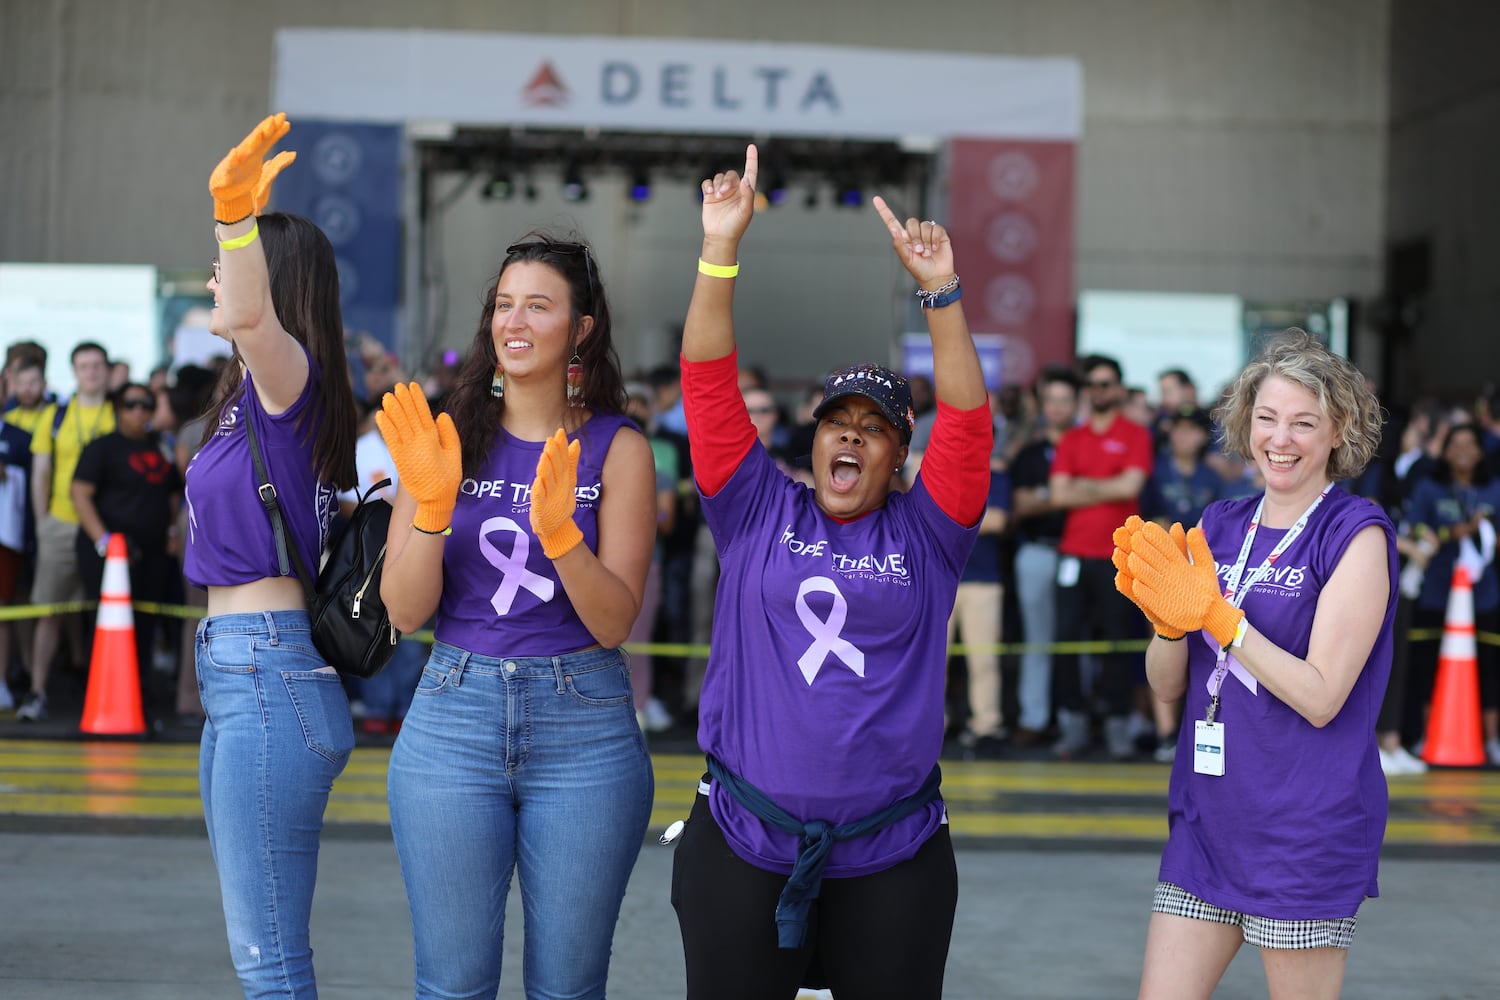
(824,687)
(229,533)
(1292,830)
(501,594)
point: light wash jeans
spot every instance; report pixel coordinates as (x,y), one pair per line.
(1036,583)
(276,735)
(528,764)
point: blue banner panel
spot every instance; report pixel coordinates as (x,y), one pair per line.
(347,179)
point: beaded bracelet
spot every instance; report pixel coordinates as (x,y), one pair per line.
(944,295)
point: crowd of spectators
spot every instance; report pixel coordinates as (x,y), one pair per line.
(1075,453)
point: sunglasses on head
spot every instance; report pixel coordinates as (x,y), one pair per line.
(554,246)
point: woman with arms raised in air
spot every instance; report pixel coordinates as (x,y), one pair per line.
(277,730)
(530,540)
(1274,618)
(822,706)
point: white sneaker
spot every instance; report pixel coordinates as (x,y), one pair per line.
(33,708)
(654,717)
(1413,764)
(1398,762)
(7,700)
(1492,751)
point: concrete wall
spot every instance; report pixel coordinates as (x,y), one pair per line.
(1234,146)
(1445,161)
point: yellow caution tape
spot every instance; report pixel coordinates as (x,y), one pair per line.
(21,612)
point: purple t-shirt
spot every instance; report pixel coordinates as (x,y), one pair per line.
(229,532)
(501,594)
(824,687)
(1292,830)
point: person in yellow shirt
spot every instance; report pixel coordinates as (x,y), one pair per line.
(55,447)
(27,381)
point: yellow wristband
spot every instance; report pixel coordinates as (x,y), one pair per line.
(1239,634)
(718,270)
(241,241)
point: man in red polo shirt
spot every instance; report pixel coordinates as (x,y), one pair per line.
(1097,475)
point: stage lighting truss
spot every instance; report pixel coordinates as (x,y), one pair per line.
(801,171)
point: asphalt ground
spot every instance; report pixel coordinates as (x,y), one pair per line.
(107,888)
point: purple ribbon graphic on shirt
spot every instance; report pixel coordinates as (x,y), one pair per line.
(1240,673)
(826,634)
(514,576)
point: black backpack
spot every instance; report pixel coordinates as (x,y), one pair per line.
(350,626)
(349,622)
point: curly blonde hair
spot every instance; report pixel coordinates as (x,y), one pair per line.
(1341,390)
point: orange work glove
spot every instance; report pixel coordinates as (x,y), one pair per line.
(1125,581)
(552,500)
(1180,593)
(426,452)
(241,183)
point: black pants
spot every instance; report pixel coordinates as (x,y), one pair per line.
(873,937)
(1093,609)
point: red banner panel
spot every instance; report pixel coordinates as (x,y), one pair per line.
(1011,219)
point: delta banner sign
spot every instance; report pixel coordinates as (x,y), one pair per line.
(1010,126)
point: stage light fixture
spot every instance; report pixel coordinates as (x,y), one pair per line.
(640,186)
(775,189)
(500,187)
(573,187)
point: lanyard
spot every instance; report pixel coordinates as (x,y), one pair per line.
(1235,594)
(93,429)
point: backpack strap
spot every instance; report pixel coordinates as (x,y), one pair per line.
(267,492)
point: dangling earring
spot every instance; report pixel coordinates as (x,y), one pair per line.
(497,384)
(575,381)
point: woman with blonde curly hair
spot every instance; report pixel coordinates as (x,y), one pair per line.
(1274,618)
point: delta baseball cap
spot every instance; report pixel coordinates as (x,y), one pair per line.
(889,391)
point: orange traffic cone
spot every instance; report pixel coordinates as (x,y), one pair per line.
(1453,726)
(112,706)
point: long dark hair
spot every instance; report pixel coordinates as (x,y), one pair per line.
(1483,470)
(476,414)
(305,294)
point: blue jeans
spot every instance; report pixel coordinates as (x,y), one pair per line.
(529,764)
(276,735)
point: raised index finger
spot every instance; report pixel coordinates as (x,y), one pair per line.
(888,217)
(752,165)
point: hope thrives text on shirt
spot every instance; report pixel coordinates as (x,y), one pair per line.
(890,566)
(520,493)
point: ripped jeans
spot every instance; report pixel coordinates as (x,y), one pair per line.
(277,733)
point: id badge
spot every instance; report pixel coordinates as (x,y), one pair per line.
(1067,571)
(1208,748)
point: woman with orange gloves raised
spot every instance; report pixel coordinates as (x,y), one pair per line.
(818,845)
(1274,618)
(277,730)
(525,519)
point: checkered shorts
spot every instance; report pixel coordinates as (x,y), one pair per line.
(1262,932)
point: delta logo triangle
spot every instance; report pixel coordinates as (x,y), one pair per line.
(545,89)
